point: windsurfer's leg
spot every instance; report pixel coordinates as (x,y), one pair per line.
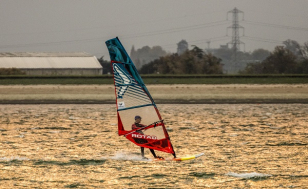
(153,153)
(142,151)
(174,155)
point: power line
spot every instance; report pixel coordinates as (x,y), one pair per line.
(48,43)
(173,30)
(275,25)
(279,14)
(235,40)
(263,40)
(200,41)
(124,24)
(171,18)
(210,39)
(157,32)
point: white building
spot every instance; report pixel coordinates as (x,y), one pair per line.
(52,63)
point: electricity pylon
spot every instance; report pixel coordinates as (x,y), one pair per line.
(235,42)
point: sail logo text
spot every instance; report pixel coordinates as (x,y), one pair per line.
(121,78)
(144,136)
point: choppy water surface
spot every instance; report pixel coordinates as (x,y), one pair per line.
(76,146)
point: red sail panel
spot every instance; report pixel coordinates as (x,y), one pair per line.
(154,136)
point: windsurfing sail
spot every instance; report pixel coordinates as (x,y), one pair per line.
(132,99)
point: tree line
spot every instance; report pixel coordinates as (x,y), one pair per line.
(194,61)
(292,58)
(289,59)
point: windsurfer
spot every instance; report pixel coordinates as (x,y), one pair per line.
(138,125)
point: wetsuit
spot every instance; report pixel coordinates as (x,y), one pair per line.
(137,126)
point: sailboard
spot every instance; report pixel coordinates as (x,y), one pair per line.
(132,99)
(179,158)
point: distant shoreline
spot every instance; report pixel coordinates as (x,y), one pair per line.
(162,94)
(165,101)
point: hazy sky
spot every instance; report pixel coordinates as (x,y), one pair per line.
(85,25)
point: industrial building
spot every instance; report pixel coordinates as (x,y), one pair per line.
(52,63)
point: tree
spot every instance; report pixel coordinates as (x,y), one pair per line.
(304,50)
(293,46)
(303,67)
(105,64)
(280,61)
(303,64)
(212,64)
(260,54)
(197,51)
(187,63)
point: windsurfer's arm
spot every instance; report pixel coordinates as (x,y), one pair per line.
(137,126)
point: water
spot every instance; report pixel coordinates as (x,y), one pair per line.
(77,146)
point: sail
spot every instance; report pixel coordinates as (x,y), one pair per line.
(132,99)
